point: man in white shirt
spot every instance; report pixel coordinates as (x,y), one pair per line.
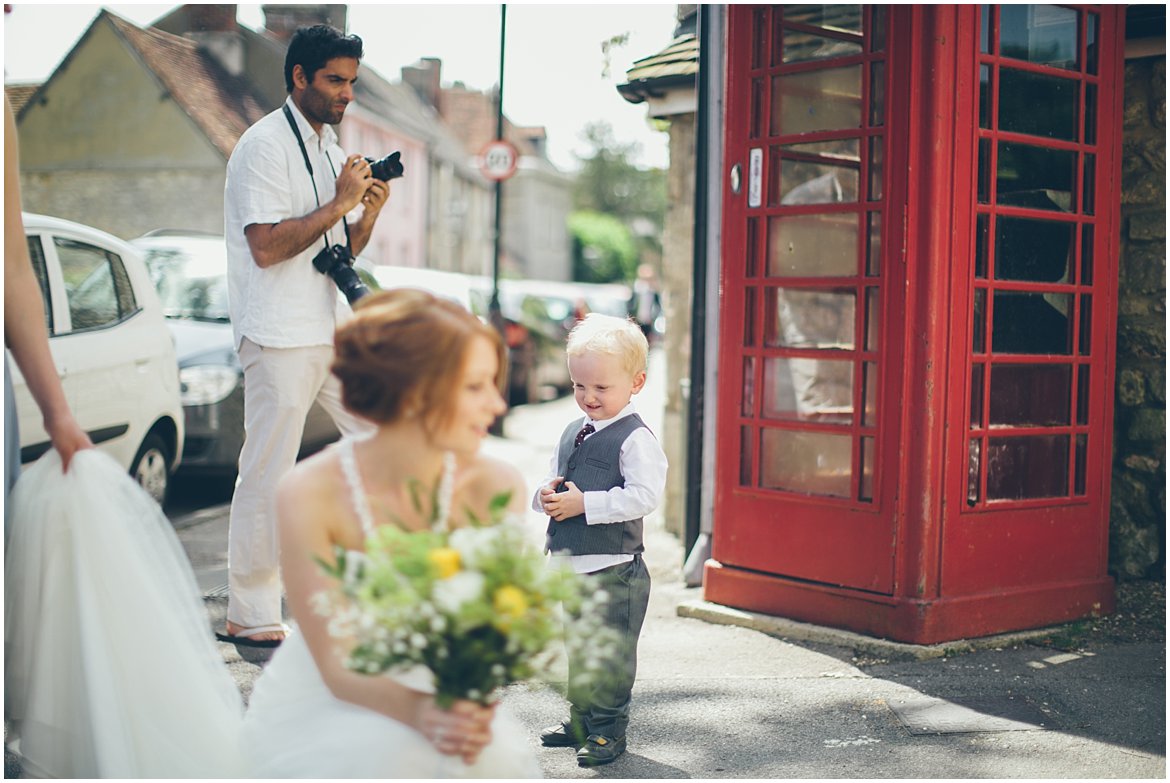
(289,189)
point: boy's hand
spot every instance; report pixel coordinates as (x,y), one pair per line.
(569,502)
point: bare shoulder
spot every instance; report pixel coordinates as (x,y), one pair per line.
(483,478)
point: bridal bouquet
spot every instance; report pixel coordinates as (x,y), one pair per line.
(478,606)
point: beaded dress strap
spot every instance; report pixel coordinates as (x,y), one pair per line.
(353,479)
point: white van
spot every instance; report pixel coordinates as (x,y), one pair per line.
(112,348)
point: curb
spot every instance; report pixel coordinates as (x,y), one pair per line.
(784,628)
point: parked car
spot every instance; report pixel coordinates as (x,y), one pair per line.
(189,271)
(115,357)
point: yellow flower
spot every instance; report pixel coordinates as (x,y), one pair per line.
(510,604)
(445,561)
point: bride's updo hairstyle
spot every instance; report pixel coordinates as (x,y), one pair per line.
(402,353)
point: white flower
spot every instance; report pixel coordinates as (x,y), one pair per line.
(473,544)
(464,587)
(438,624)
(498,670)
(418,641)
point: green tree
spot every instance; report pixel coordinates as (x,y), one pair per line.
(609,183)
(603,248)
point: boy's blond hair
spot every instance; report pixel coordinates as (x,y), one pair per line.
(608,334)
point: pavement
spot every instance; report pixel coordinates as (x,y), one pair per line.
(728,694)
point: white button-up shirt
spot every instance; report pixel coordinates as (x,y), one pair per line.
(289,304)
(643,466)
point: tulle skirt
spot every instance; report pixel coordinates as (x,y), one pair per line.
(110,666)
(296,728)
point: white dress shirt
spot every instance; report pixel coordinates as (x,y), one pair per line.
(643,465)
(289,304)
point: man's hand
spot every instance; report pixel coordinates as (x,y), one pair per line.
(353,181)
(562,505)
(376,197)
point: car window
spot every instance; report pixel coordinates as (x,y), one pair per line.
(96,284)
(190,286)
(36,254)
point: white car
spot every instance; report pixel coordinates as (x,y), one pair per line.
(112,348)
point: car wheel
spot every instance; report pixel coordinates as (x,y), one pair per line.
(151,468)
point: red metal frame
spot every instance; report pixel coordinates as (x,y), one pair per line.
(919,563)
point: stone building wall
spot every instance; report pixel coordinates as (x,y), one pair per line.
(1138,515)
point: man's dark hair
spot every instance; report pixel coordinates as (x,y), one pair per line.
(312,47)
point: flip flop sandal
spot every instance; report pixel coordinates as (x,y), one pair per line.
(255,650)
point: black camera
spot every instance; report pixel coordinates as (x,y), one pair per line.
(338,264)
(388,168)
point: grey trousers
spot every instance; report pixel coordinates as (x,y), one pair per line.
(602,705)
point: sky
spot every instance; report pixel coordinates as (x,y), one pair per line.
(553,63)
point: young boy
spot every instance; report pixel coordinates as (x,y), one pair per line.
(607,473)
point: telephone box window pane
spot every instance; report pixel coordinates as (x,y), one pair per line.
(1079,461)
(745,456)
(1086,336)
(808,390)
(1091,43)
(979,326)
(800,46)
(1031,323)
(976,396)
(1090,114)
(801,318)
(974,467)
(876,168)
(873,315)
(825,172)
(1087,254)
(877,94)
(749,317)
(1035,177)
(748,408)
(812,246)
(985,97)
(867,460)
(982,245)
(985,29)
(1035,251)
(1037,105)
(757,118)
(1090,184)
(983,174)
(843,18)
(752,247)
(877,32)
(1083,394)
(760,39)
(812,463)
(1042,34)
(1030,395)
(873,251)
(828,99)
(1027,467)
(869,412)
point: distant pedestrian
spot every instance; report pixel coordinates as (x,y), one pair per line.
(645,304)
(607,473)
(289,189)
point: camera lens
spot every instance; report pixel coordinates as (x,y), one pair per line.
(388,168)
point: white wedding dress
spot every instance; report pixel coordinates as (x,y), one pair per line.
(296,728)
(111,670)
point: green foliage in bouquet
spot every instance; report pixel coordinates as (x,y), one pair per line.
(478,606)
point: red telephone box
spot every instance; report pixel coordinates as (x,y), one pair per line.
(919,277)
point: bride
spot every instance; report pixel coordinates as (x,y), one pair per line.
(90,694)
(426,372)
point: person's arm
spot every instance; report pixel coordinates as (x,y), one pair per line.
(306,508)
(643,465)
(273,243)
(25,334)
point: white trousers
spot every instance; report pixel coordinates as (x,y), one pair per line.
(280,386)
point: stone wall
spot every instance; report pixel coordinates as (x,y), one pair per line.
(1138,514)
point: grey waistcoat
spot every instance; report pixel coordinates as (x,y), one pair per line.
(594,467)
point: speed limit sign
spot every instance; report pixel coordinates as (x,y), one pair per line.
(498,159)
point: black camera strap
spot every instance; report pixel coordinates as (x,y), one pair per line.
(292,123)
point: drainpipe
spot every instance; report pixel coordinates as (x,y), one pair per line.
(704,321)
